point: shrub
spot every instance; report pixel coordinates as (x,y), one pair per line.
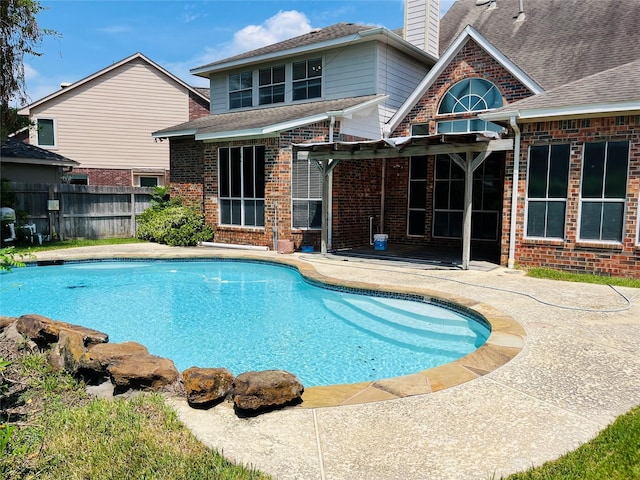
(174,224)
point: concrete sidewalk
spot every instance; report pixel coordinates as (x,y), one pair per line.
(578,370)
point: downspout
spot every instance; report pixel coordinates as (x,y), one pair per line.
(332,124)
(511,262)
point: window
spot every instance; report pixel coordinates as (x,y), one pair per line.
(241,185)
(417,195)
(306,192)
(148,181)
(547,183)
(603,190)
(469,95)
(46,132)
(307,79)
(448,199)
(241,90)
(271,82)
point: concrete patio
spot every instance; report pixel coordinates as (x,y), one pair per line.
(578,369)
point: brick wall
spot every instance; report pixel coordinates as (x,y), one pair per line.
(197,107)
(571,254)
(194,169)
(471,61)
(107,176)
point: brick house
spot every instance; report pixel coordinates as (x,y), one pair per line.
(104,121)
(541,95)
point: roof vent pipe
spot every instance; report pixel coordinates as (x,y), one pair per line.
(521,16)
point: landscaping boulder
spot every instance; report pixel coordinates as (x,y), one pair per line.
(129,366)
(98,357)
(205,386)
(261,391)
(68,352)
(45,331)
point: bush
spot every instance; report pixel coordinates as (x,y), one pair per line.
(174,224)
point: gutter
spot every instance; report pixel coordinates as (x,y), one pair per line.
(514,193)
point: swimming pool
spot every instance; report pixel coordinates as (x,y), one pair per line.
(246,315)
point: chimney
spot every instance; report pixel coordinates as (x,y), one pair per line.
(422,24)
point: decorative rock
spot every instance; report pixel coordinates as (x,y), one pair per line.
(100,356)
(68,352)
(142,372)
(205,386)
(45,331)
(129,365)
(265,390)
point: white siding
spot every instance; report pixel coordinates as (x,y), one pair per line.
(364,123)
(219,96)
(422,24)
(397,76)
(350,72)
(107,122)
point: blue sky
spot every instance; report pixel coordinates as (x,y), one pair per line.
(180,34)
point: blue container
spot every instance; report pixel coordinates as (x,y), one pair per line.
(380,241)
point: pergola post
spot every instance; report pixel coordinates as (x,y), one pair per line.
(468,165)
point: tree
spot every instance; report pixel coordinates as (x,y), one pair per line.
(20,35)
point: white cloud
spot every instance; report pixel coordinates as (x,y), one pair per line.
(281,26)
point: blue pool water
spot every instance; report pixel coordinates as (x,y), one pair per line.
(245,316)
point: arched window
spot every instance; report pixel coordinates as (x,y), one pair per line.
(469,95)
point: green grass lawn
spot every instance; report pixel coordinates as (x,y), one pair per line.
(26,248)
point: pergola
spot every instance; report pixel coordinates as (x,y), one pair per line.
(467,150)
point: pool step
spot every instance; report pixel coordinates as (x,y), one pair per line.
(452,345)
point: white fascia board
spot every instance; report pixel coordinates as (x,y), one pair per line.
(175,133)
(361,106)
(390,38)
(298,122)
(578,110)
(25,110)
(237,135)
(292,52)
(468,33)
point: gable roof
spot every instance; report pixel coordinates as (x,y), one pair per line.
(614,91)
(319,39)
(559,41)
(14,151)
(468,34)
(269,121)
(135,56)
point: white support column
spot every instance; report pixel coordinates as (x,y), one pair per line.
(468,207)
(324,235)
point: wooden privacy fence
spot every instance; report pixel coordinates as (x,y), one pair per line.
(81,211)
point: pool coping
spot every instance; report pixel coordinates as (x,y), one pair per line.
(505,341)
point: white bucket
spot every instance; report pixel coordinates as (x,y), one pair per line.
(380,241)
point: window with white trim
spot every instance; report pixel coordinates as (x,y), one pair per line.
(241,90)
(306,192)
(547,185)
(307,79)
(417,200)
(241,185)
(603,191)
(466,96)
(271,85)
(46,134)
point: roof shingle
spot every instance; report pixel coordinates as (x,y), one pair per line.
(559,41)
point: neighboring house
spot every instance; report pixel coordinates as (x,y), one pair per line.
(21,162)
(541,95)
(105,120)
